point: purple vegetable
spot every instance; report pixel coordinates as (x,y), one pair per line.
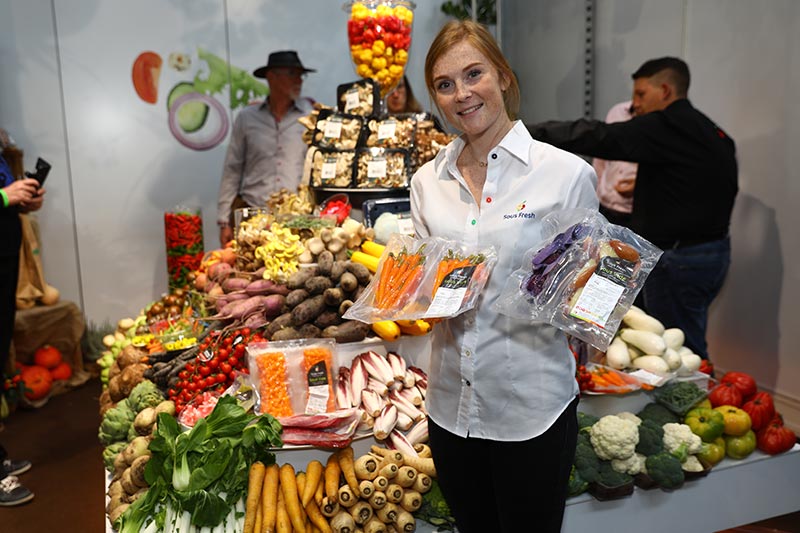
(265,286)
(234,284)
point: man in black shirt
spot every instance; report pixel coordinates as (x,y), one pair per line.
(685,189)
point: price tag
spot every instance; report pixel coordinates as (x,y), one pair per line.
(351,100)
(405,225)
(333,128)
(451,292)
(376,168)
(328,170)
(387,129)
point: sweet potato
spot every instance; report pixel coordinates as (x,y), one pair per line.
(273,305)
(348,331)
(296,297)
(235,284)
(219,271)
(299,278)
(308,310)
(317,284)
(265,286)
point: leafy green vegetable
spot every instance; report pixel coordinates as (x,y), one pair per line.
(679,396)
(665,470)
(193,470)
(243,86)
(657,413)
(434,509)
(577,485)
(651,438)
(586,420)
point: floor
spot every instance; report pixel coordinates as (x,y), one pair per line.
(67,475)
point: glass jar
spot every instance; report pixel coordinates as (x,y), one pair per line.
(379,34)
(183,232)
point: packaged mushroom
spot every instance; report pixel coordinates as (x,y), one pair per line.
(330,168)
(428,140)
(391,132)
(383,168)
(337,130)
(360,97)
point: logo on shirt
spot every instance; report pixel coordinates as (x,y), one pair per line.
(519,213)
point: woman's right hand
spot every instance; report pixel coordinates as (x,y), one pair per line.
(21,191)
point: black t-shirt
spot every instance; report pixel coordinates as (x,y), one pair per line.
(687,179)
(10,225)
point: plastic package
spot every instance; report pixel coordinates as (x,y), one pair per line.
(582,278)
(362,97)
(391,132)
(386,168)
(339,131)
(425,278)
(331,168)
(293,377)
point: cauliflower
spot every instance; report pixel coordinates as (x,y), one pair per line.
(613,437)
(630,416)
(632,465)
(680,441)
(692,464)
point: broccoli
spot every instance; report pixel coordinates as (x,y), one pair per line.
(116,423)
(665,469)
(110,453)
(679,396)
(651,437)
(610,477)
(577,485)
(586,462)
(145,394)
(586,420)
(658,414)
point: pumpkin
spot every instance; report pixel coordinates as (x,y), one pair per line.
(775,438)
(38,382)
(47,356)
(725,394)
(62,372)
(761,409)
(744,382)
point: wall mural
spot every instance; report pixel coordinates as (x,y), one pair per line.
(195,116)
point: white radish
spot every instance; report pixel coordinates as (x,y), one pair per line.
(650,343)
(617,356)
(643,322)
(674,338)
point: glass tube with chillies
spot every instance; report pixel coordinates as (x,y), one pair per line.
(183,231)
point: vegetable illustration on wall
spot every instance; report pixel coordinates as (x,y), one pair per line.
(195,116)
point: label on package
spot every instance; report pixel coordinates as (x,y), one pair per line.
(318,389)
(333,128)
(405,225)
(451,292)
(602,292)
(328,173)
(351,100)
(387,129)
(376,168)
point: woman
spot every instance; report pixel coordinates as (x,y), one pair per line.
(401,99)
(502,394)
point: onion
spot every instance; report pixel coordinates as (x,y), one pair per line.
(184,138)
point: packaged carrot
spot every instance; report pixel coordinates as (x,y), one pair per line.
(268,370)
(318,372)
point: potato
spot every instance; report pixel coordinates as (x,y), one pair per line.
(283,321)
(348,282)
(308,310)
(360,272)
(318,284)
(286,334)
(338,268)
(325,263)
(349,331)
(299,278)
(329,317)
(296,297)
(333,296)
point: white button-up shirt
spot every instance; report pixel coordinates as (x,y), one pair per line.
(492,376)
(264,155)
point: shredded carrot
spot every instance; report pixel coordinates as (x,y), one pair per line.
(312,357)
(272,384)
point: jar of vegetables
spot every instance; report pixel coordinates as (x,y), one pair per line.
(379,34)
(183,231)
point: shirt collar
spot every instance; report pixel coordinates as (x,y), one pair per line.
(302,104)
(516,143)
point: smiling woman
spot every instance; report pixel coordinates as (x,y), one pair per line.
(502,389)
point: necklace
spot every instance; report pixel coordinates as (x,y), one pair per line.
(482,164)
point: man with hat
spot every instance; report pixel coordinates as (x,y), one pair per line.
(266,151)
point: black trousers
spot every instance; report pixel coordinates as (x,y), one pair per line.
(9,272)
(504,487)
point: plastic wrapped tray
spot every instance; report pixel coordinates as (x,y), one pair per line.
(339,131)
(382,168)
(332,168)
(361,97)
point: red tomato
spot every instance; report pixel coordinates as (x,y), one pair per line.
(145,74)
(221,378)
(204,370)
(775,438)
(761,409)
(233,361)
(744,382)
(47,356)
(725,394)
(183,374)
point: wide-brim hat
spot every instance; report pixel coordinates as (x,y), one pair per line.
(282,59)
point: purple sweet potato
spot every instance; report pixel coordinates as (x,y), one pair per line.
(273,305)
(234,284)
(265,286)
(219,271)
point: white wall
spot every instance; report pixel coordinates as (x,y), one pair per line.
(66,95)
(745,74)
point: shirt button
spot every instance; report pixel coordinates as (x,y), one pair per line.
(474,221)
(494,156)
(468,353)
(488,199)
(466,381)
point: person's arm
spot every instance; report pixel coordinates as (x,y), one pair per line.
(636,140)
